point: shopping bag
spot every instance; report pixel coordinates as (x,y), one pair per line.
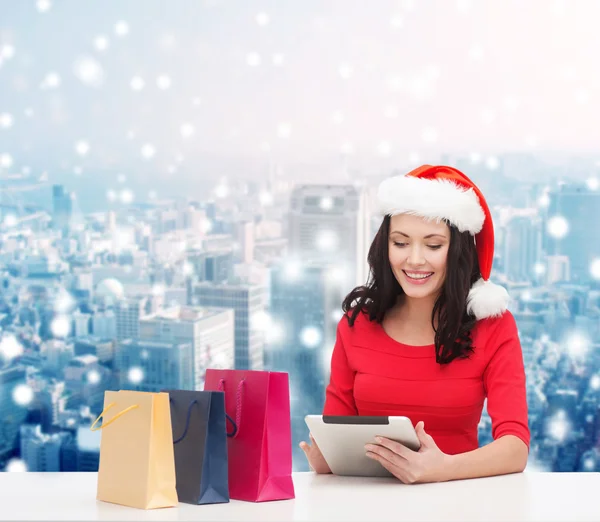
(260,451)
(200,442)
(137,466)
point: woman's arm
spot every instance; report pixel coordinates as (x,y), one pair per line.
(508,454)
(504,381)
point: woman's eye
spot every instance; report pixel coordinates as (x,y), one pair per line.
(432,247)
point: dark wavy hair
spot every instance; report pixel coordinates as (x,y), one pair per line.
(453,333)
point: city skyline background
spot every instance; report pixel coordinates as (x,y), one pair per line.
(194,187)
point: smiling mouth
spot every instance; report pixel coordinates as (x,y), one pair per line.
(417,276)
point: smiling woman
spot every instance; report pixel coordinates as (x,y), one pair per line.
(429,336)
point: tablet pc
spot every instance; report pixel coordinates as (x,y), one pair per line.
(342,440)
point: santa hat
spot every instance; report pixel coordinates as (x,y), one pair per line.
(440,192)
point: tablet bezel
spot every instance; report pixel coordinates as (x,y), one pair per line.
(342,440)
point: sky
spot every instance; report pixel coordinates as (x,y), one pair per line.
(206,86)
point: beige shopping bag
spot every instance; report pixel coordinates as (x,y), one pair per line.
(137,463)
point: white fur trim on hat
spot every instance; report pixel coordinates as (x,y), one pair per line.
(487,299)
(431,198)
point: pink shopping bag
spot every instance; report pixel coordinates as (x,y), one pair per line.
(260,450)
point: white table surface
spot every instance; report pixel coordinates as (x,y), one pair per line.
(523,496)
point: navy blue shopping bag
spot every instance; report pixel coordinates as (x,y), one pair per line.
(199,428)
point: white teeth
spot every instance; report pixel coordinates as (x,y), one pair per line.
(418,276)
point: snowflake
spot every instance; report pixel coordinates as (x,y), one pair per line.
(384,148)
(262,19)
(595,269)
(148,151)
(293,270)
(222,190)
(6,161)
(16,466)
(558,227)
(163,82)
(429,135)
(544,200)
(64,302)
(126,196)
(82,147)
(11,221)
(593,184)
(266,198)
(121,28)
(310,336)
(327,240)
(253,59)
(284,130)
(135,375)
(23,394)
(492,163)
(345,70)
(10,347)
(260,321)
(8,52)
(6,120)
(326,203)
(43,6)
(559,427)
(137,83)
(539,269)
(396,22)
(60,326)
(89,71)
(187,129)
(101,43)
(93,376)
(275,334)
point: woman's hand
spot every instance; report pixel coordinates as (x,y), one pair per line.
(429,464)
(315,457)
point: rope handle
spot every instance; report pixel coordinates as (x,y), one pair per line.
(120,414)
(238,406)
(187,422)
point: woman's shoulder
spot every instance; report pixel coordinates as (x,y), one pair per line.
(493,330)
(356,323)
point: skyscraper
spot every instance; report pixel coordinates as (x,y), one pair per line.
(11,413)
(330,224)
(210,331)
(305,308)
(62,207)
(40,451)
(522,247)
(128,313)
(153,366)
(579,205)
(248,301)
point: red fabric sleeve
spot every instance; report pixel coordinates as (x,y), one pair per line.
(339,395)
(504,382)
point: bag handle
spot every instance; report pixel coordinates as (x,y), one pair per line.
(238,406)
(105,424)
(187,422)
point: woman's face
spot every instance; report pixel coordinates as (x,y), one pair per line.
(418,250)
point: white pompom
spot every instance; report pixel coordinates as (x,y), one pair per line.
(487,299)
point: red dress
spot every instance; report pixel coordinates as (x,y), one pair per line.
(372,374)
